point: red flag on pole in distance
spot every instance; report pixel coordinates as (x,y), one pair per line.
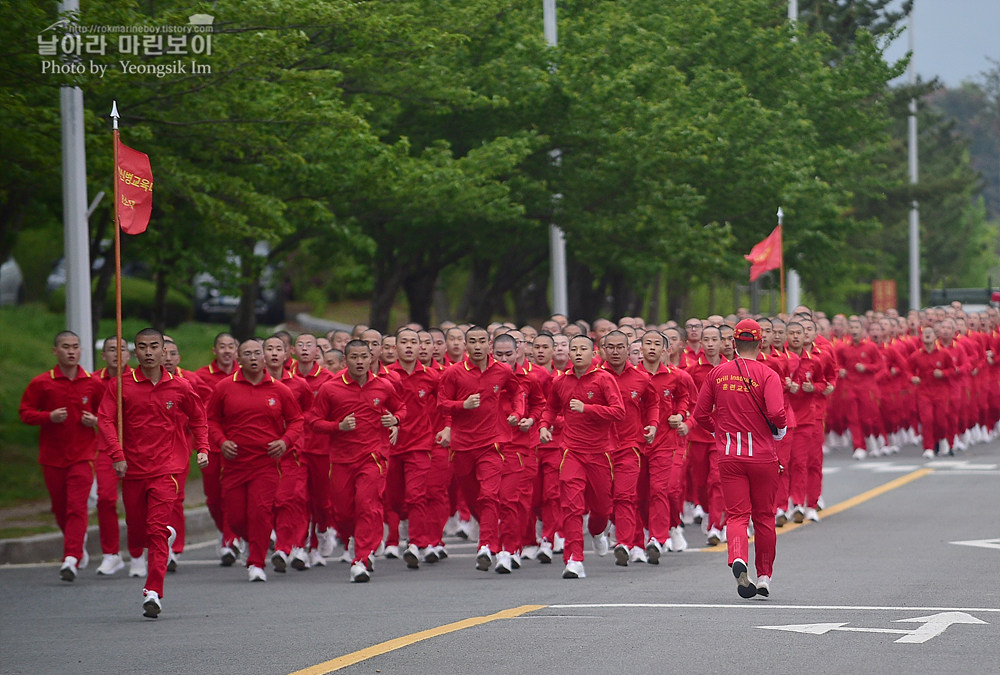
(765,255)
(135,189)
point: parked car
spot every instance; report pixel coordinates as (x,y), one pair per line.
(57,277)
(212,303)
(11,283)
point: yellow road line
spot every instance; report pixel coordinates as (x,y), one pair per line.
(842,506)
(400,642)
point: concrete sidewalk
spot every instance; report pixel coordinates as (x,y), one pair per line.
(48,547)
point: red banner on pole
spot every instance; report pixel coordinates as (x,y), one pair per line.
(765,255)
(135,189)
(883,294)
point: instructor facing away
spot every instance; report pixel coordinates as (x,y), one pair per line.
(749,417)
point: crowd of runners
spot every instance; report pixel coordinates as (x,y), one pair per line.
(358,445)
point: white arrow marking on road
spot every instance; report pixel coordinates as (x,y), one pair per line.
(959,464)
(933,626)
(980,543)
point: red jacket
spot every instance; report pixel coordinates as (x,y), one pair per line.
(676,394)
(69,441)
(156,420)
(642,407)
(532,379)
(699,372)
(809,407)
(306,387)
(922,364)
(866,352)
(251,416)
(342,396)
(419,395)
(476,427)
(590,430)
(209,376)
(741,432)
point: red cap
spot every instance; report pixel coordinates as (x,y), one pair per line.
(748,330)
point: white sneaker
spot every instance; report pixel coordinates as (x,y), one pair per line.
(503,565)
(890,450)
(299,559)
(412,556)
(928,454)
(442,552)
(173,559)
(820,504)
(464,529)
(84,557)
(255,573)
(945,448)
(316,558)
(860,454)
(621,554)
(637,555)
(780,518)
(798,513)
(327,542)
(171,537)
(430,555)
(714,537)
(545,552)
(812,515)
(515,560)
(151,606)
(111,563)
(558,543)
(601,545)
(699,513)
(687,514)
(228,555)
(391,552)
(764,585)
(68,570)
(360,573)
(653,551)
(574,570)
(279,561)
(484,559)
(744,586)
(137,568)
(677,541)
(530,552)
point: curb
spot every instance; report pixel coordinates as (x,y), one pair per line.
(49,547)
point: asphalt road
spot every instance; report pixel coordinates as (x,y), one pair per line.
(878,585)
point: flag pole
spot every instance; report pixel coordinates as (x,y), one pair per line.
(118,272)
(782,307)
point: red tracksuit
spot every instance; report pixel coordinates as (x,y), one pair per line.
(662,481)
(547,501)
(748,462)
(211,476)
(156,419)
(475,455)
(586,471)
(410,460)
(66,450)
(535,382)
(107,479)
(933,393)
(702,458)
(642,409)
(861,396)
(358,470)
(251,416)
(805,467)
(780,364)
(314,452)
(177,519)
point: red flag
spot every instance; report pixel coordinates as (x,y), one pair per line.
(135,189)
(766,254)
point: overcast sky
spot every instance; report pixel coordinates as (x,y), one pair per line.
(953,39)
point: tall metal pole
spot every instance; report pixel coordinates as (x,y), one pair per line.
(76,238)
(914,206)
(557,240)
(793,10)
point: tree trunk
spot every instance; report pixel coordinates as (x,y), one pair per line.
(419,289)
(387,278)
(159,318)
(243,325)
